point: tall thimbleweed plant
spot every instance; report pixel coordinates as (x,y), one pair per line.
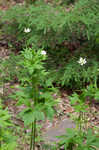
(78,103)
(75,140)
(38,101)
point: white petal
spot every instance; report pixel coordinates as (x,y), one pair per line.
(27,30)
(81,58)
(43,52)
(82,61)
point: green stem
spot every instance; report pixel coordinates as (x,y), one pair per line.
(35,88)
(3,91)
(0,138)
(31,143)
(96,82)
(80,117)
(34,134)
(0,144)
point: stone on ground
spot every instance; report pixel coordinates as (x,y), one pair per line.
(59,129)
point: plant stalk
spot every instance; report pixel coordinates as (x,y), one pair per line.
(31,143)
(34,135)
(34,123)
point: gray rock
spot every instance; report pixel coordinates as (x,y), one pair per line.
(59,129)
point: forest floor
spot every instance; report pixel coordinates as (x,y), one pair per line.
(64,109)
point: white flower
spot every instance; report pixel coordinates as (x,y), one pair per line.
(82,61)
(43,52)
(27,30)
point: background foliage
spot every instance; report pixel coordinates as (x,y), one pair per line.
(67,32)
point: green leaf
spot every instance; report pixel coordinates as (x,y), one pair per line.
(74,98)
(29,115)
(97,95)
